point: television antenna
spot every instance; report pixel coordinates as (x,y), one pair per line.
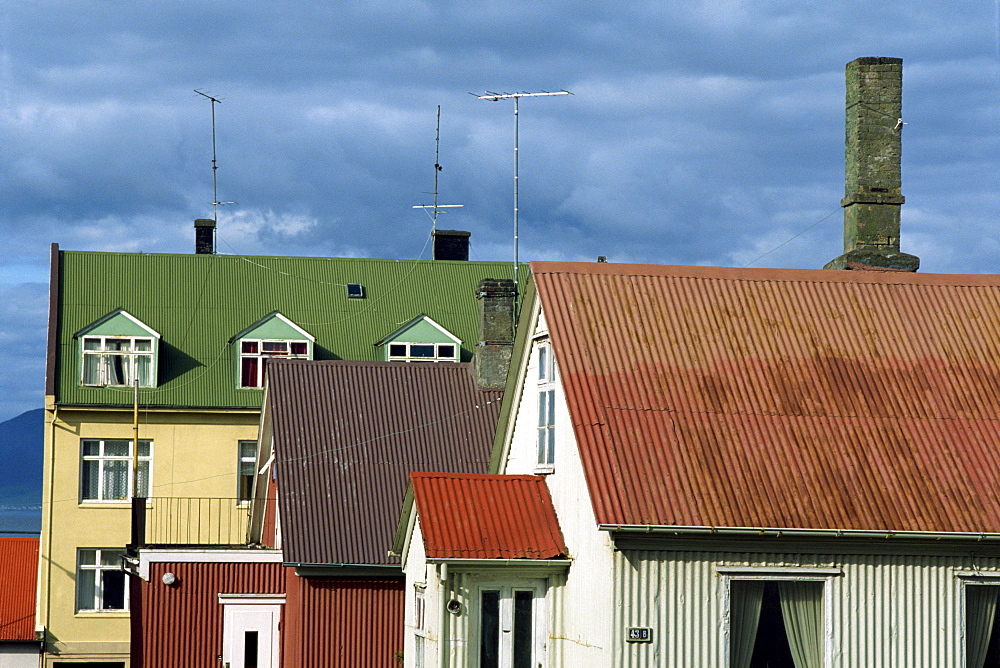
(437,168)
(215,164)
(496,97)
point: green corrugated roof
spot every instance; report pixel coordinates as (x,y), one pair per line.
(199,302)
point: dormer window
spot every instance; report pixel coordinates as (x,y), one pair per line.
(422,340)
(117,360)
(272,336)
(253,352)
(118,350)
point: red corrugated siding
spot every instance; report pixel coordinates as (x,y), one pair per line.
(781,398)
(343,622)
(459,516)
(18,578)
(182,624)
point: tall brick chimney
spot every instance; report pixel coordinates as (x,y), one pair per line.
(496,332)
(872,185)
(204,236)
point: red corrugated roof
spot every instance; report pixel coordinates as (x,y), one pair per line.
(469,516)
(781,398)
(19,575)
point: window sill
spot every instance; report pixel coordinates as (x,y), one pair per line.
(104,614)
(547,469)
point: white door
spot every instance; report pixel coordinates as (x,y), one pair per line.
(511,625)
(250,636)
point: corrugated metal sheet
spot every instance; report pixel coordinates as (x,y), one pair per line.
(781,398)
(348,434)
(18,579)
(486,516)
(882,610)
(181,625)
(198,302)
(343,622)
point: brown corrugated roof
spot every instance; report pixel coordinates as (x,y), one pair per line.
(19,575)
(781,398)
(486,516)
(348,434)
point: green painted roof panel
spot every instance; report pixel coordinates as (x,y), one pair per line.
(198,302)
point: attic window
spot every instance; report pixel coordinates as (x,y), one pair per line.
(254,351)
(355,291)
(423,352)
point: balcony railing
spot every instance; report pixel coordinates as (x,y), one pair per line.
(165,520)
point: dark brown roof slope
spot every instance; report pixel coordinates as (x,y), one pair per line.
(781,398)
(348,434)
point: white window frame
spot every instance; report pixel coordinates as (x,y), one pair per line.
(439,352)
(546,431)
(261,355)
(102,459)
(241,460)
(539,619)
(777,574)
(104,356)
(97,594)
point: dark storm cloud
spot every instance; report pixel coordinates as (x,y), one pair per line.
(703,132)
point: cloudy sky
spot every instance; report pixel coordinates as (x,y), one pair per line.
(699,132)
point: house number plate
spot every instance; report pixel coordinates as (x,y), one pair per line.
(639,634)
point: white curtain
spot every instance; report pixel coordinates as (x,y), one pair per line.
(802,611)
(980,609)
(745,597)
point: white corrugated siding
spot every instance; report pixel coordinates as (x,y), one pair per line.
(897,611)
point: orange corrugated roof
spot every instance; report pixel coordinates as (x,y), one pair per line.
(479,516)
(18,573)
(781,398)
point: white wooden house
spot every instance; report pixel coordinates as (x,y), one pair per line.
(747,467)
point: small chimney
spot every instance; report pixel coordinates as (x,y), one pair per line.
(872,185)
(451,245)
(496,332)
(204,236)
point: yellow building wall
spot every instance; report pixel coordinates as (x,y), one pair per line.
(194,454)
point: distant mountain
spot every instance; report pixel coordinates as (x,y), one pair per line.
(21,443)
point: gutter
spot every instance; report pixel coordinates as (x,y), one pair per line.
(774,532)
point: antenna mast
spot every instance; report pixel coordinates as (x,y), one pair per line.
(496,97)
(437,168)
(215,165)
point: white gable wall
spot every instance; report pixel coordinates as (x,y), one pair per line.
(580,632)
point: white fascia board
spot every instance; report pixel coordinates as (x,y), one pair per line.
(423,317)
(115,313)
(270,316)
(508,565)
(149,556)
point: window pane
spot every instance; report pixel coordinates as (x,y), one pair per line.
(92,369)
(397,349)
(90,487)
(117,344)
(88,557)
(543,405)
(143,490)
(250,649)
(143,448)
(248,449)
(116,448)
(543,362)
(91,344)
(446,351)
(275,347)
(550,413)
(91,448)
(299,348)
(116,479)
(111,557)
(489,630)
(421,350)
(144,367)
(248,372)
(115,370)
(522,628)
(248,347)
(144,345)
(113,590)
(85,587)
